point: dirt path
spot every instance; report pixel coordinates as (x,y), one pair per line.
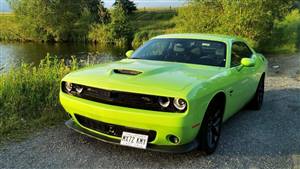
(269,138)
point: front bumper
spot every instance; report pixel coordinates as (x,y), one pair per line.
(164,124)
(161,148)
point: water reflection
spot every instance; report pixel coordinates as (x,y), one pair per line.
(12,54)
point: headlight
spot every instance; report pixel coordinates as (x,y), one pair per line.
(68,87)
(79,89)
(164,101)
(180,104)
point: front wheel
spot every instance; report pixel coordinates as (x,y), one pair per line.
(210,130)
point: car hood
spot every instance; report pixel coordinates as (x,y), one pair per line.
(143,75)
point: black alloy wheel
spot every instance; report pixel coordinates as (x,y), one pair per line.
(210,130)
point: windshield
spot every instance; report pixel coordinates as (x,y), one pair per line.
(194,51)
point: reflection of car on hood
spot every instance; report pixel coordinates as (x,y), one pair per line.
(170,95)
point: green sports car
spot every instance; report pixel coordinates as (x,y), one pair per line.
(170,95)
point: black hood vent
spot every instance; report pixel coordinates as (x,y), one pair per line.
(127,72)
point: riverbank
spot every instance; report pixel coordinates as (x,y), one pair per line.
(12,54)
(146,23)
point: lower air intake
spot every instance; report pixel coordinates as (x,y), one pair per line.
(111,129)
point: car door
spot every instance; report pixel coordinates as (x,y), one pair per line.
(240,90)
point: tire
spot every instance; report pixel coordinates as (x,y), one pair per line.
(257,101)
(210,130)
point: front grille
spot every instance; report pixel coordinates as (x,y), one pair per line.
(124,99)
(112,129)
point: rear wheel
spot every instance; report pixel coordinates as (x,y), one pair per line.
(257,100)
(210,130)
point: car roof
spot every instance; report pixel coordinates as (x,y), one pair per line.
(214,37)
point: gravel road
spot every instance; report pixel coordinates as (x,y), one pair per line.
(269,138)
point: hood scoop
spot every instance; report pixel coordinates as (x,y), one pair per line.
(127,72)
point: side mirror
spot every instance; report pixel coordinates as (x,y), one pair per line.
(247,62)
(129,53)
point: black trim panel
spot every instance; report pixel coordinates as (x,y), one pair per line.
(120,98)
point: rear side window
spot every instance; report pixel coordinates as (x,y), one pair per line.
(239,50)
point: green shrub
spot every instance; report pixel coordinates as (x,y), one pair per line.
(250,19)
(118,31)
(29,96)
(286,34)
(100,33)
(119,27)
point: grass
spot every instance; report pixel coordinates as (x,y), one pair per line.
(151,22)
(29,97)
(153,19)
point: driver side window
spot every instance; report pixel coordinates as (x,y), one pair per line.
(239,50)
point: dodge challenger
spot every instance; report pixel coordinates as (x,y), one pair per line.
(171,95)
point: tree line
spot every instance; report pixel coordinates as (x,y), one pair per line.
(267,24)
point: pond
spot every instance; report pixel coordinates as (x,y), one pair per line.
(13,54)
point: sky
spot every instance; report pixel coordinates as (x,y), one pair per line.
(4,6)
(140,3)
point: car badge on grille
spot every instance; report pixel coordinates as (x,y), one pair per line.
(111,130)
(147,99)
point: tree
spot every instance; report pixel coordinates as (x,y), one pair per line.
(103,13)
(119,26)
(57,20)
(127,5)
(98,12)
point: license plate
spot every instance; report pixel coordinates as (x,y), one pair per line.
(134,140)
